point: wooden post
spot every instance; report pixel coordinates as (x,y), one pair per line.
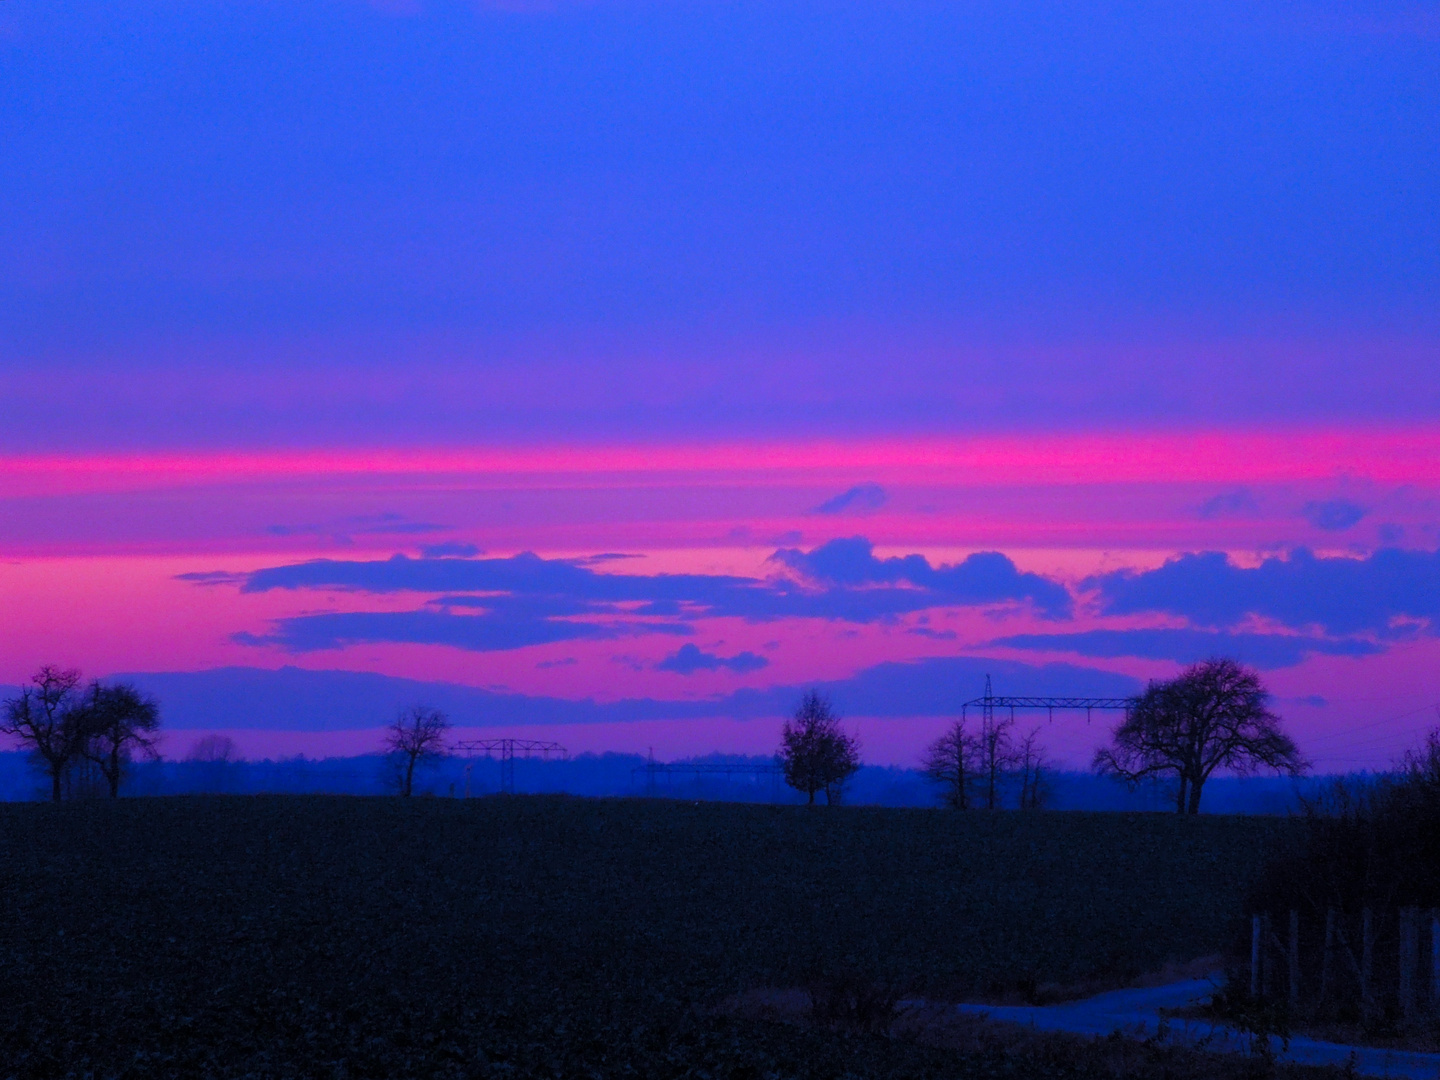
(1367,964)
(1267,969)
(1256,956)
(1293,974)
(1435,960)
(1408,950)
(1327,958)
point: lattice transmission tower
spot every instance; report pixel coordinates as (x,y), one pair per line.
(505,751)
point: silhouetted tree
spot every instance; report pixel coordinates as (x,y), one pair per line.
(118,722)
(46,718)
(816,753)
(994,754)
(1034,769)
(214,754)
(949,762)
(416,736)
(1215,714)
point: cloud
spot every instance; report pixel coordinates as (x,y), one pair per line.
(689,659)
(213,577)
(293,699)
(451,549)
(1333,515)
(1188,646)
(475,633)
(343,529)
(986,577)
(1229,504)
(527,600)
(1340,595)
(860,499)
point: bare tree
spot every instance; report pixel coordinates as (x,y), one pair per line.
(948,762)
(1215,714)
(45,717)
(1034,769)
(214,754)
(213,748)
(816,753)
(994,755)
(416,737)
(118,722)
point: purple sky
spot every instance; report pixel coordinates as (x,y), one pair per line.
(891,343)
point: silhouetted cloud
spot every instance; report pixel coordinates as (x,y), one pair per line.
(1340,595)
(986,577)
(689,659)
(292,699)
(528,600)
(859,499)
(476,633)
(1188,646)
(342,529)
(1228,504)
(213,577)
(452,548)
(1333,515)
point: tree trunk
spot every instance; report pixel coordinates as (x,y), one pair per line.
(113,776)
(1194,797)
(1180,796)
(811,800)
(55,771)
(409,777)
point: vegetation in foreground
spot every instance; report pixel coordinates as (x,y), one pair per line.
(566,937)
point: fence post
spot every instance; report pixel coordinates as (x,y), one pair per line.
(1408,956)
(1256,957)
(1327,958)
(1266,964)
(1367,964)
(1435,960)
(1293,974)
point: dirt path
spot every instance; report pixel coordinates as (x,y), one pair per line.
(1136,1013)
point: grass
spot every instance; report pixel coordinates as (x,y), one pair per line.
(551,936)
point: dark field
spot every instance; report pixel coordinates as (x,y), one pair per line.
(566,937)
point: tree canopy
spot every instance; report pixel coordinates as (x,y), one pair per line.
(1215,714)
(816,753)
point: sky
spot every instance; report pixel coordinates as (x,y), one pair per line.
(613,371)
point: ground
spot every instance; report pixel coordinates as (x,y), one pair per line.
(270,936)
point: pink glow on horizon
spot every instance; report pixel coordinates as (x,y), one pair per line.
(1385,456)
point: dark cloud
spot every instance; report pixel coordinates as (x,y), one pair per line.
(363,525)
(213,577)
(292,699)
(526,599)
(987,577)
(936,635)
(1229,504)
(488,632)
(1333,515)
(451,549)
(689,659)
(861,498)
(1342,596)
(1188,646)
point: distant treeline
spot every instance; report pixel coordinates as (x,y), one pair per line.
(624,775)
